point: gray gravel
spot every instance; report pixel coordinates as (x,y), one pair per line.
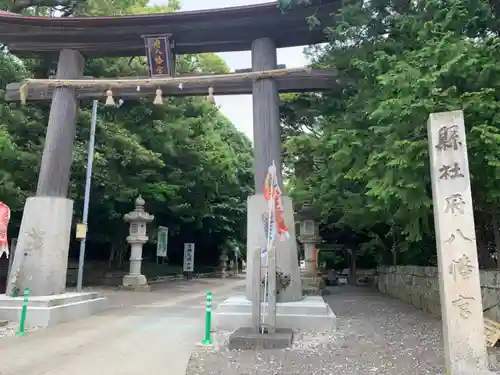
(376,335)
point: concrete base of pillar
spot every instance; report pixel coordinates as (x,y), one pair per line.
(311,312)
(137,283)
(41,259)
(286,251)
(246,339)
(46,311)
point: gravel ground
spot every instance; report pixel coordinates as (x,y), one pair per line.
(376,335)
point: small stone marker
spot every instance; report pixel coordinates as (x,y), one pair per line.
(460,292)
(491,332)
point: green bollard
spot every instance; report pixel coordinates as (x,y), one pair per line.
(208,320)
(22,323)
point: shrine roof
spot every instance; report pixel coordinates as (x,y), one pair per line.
(214,30)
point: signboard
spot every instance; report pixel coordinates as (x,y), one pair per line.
(236,252)
(81,231)
(162,244)
(159,55)
(491,332)
(188,257)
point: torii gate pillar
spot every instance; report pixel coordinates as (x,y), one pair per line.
(292,311)
(267,148)
(42,262)
(41,258)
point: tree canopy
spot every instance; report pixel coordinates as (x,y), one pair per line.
(360,152)
(187,160)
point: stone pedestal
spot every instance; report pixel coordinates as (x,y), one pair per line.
(309,313)
(137,283)
(247,339)
(41,258)
(46,311)
(40,264)
(286,251)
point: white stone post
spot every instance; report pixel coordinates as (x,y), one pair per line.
(460,292)
(138,220)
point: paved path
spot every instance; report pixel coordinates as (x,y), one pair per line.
(376,335)
(142,333)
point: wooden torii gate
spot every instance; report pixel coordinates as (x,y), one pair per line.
(260,28)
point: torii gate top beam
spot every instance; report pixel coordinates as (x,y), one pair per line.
(215,30)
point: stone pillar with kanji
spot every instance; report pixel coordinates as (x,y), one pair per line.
(138,219)
(460,291)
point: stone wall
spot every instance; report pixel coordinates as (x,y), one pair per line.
(419,286)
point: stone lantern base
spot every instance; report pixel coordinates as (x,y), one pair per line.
(312,286)
(136,283)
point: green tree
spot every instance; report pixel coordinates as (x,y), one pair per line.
(366,162)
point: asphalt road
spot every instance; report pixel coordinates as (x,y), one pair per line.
(142,333)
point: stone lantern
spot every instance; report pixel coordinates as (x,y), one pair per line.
(137,237)
(223,265)
(309,237)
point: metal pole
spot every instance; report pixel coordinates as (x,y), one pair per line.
(236,259)
(90,159)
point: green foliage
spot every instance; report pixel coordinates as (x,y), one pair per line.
(360,153)
(191,165)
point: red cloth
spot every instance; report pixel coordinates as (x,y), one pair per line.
(4,223)
(271,185)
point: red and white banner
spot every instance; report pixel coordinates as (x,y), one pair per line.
(272,194)
(4,223)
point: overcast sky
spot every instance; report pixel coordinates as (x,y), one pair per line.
(238,108)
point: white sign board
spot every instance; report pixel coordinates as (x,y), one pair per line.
(162,244)
(188,257)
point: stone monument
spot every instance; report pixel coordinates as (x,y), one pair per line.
(138,220)
(309,236)
(460,292)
